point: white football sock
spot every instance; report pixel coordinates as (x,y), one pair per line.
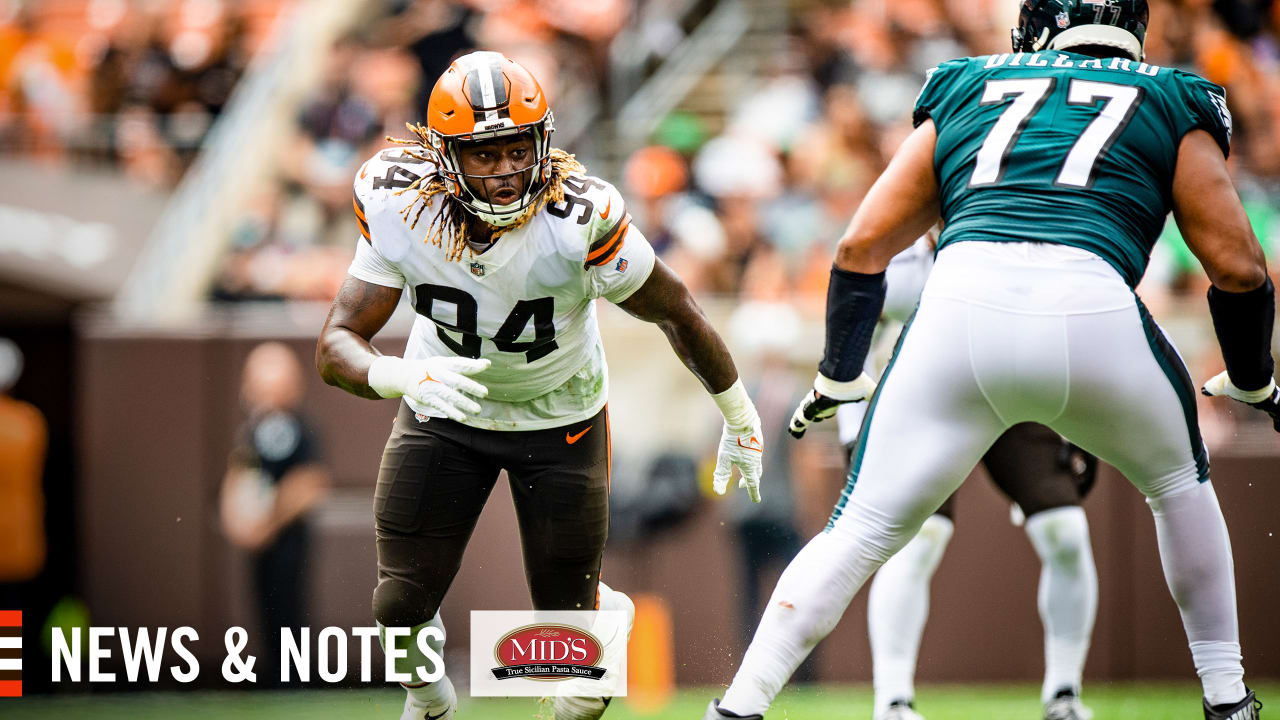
(897,609)
(615,638)
(1196,553)
(811,595)
(580,699)
(1068,597)
(426,694)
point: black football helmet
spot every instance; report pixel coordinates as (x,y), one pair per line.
(1063,24)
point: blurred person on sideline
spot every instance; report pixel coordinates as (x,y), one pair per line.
(24,439)
(274,479)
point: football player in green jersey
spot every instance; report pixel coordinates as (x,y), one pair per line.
(1053,168)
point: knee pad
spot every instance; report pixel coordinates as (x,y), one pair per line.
(397,603)
(1060,536)
(930,543)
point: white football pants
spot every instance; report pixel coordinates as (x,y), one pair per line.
(1009,333)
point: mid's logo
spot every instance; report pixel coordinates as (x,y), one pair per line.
(548,652)
(10,653)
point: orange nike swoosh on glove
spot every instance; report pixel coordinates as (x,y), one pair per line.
(571,439)
(754,445)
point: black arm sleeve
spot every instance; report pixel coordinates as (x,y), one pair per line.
(854,302)
(1244,322)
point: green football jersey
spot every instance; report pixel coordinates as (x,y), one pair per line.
(1060,147)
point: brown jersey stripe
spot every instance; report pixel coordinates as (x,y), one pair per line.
(10,653)
(609,234)
(10,674)
(10,632)
(360,218)
(612,245)
(609,258)
(606,255)
(600,247)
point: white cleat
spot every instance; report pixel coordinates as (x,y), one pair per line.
(1066,706)
(569,707)
(900,710)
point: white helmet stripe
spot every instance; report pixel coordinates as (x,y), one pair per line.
(487,93)
(481,68)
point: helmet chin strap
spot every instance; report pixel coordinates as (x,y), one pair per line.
(509,214)
(498,215)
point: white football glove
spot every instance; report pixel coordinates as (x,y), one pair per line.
(437,383)
(743,448)
(1266,399)
(741,442)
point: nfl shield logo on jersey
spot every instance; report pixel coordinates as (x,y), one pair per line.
(1063,20)
(622,265)
(477,269)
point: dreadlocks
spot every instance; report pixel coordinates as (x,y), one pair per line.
(450,222)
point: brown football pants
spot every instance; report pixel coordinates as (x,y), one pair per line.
(434,480)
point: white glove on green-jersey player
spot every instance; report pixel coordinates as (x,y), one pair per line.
(1266,399)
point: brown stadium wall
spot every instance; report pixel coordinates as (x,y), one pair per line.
(157,416)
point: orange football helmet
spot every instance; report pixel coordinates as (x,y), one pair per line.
(484,95)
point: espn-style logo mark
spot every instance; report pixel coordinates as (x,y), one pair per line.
(10,653)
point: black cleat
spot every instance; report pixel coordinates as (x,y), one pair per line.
(1066,705)
(1247,709)
(900,710)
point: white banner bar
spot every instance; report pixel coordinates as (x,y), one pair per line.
(552,653)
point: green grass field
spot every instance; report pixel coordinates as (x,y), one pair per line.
(1137,702)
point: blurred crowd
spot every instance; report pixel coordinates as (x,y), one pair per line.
(754,210)
(746,203)
(134,84)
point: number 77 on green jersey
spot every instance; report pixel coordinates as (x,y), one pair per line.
(1062,147)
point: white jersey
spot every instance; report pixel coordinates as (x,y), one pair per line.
(526,303)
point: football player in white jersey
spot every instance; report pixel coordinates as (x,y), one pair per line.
(503,244)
